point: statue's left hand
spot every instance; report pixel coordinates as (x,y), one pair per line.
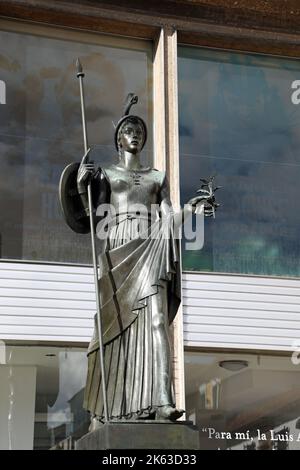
(206,198)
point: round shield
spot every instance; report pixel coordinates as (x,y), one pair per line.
(70,200)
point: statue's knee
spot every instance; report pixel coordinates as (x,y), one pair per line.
(158,321)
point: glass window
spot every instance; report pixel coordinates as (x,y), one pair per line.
(244,402)
(41,396)
(238,121)
(40,127)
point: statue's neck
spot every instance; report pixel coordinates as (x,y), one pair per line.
(130,161)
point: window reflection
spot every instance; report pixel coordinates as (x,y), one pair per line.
(40,127)
(237,121)
(41,397)
(253,408)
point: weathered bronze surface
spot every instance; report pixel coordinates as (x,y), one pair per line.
(71,201)
(139,278)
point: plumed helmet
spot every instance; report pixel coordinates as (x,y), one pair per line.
(130,100)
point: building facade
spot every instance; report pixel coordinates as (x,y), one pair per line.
(218,85)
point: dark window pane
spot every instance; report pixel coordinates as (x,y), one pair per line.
(237,121)
(40,127)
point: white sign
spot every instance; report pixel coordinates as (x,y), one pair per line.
(2,92)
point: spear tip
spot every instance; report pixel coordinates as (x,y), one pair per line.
(79,68)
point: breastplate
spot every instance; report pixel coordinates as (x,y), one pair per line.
(134,191)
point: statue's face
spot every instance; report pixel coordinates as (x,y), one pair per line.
(131,137)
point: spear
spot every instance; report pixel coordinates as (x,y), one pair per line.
(80,75)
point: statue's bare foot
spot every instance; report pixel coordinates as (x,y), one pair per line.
(169,413)
(95,424)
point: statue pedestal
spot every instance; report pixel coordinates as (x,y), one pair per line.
(141,435)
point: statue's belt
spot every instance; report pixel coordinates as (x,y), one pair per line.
(122,216)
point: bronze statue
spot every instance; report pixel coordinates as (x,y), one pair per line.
(139,276)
